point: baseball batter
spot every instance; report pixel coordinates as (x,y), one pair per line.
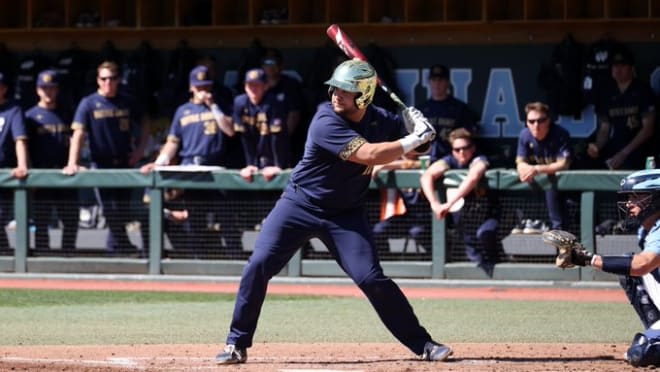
(324,199)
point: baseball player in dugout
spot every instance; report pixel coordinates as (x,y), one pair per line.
(444,111)
(626,117)
(325,199)
(49,129)
(543,148)
(287,91)
(111,121)
(638,272)
(198,135)
(260,120)
(481,245)
(13,152)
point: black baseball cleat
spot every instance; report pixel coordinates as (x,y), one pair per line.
(435,352)
(231,355)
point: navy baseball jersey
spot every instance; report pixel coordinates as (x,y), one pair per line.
(445,116)
(480,193)
(624,111)
(324,175)
(49,132)
(263,132)
(109,124)
(555,146)
(288,92)
(194,127)
(12,128)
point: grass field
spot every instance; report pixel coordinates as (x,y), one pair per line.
(37,317)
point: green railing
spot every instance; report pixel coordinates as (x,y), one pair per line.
(586,182)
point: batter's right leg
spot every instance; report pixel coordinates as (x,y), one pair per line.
(354,251)
(284,231)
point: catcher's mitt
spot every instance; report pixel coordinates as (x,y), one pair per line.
(570,251)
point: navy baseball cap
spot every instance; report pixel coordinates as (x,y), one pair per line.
(623,56)
(47,78)
(273,57)
(256,74)
(439,71)
(199,76)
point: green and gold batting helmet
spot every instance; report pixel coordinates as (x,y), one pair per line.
(357,77)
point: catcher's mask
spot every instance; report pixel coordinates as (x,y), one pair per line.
(357,77)
(642,190)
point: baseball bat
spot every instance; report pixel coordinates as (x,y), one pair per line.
(345,43)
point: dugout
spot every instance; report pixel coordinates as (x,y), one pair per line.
(478,38)
(593,191)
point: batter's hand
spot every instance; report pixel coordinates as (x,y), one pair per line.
(406,115)
(418,124)
(421,126)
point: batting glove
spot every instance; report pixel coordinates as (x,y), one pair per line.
(422,131)
(407,116)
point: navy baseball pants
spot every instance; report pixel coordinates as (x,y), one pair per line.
(348,238)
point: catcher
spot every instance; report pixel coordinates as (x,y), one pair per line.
(639,274)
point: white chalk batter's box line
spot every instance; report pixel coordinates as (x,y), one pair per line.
(134,363)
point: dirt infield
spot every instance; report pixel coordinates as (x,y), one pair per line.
(316,357)
(325,357)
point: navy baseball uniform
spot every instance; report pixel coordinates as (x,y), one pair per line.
(446,115)
(555,146)
(201,142)
(624,111)
(478,219)
(195,129)
(110,123)
(49,132)
(263,132)
(325,194)
(12,128)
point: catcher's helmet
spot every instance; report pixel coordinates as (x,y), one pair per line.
(355,76)
(643,351)
(643,183)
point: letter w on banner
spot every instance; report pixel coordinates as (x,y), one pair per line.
(391,204)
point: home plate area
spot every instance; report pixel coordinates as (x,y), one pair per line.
(317,357)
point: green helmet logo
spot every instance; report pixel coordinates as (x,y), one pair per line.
(357,77)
